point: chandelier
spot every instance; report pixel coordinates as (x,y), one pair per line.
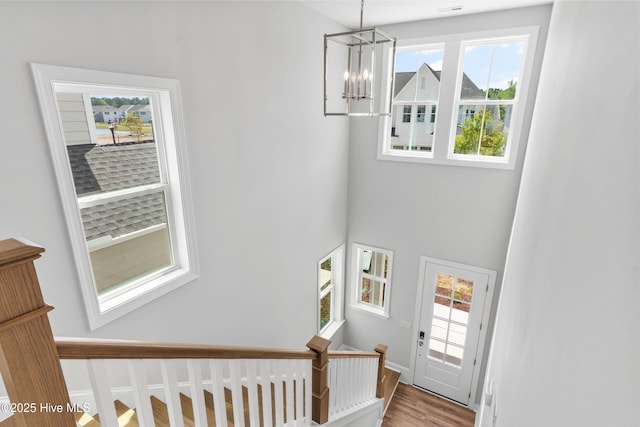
(355,90)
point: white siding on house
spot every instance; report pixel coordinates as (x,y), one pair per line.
(74,119)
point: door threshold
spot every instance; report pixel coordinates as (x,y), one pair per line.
(442,397)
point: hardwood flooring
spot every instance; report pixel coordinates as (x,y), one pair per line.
(412,407)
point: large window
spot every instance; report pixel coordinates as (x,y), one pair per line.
(123,184)
(472,86)
(372,278)
(330,291)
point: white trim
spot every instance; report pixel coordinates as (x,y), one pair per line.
(488,303)
(165,98)
(448,101)
(106,241)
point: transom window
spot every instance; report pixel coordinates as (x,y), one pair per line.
(372,279)
(122,182)
(482,80)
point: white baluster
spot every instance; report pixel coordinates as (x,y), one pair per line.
(299,369)
(236,393)
(308,374)
(217,388)
(265,383)
(252,388)
(288,373)
(197,392)
(278,391)
(102,391)
(172,395)
(141,392)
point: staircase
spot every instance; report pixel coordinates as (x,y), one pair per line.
(172,384)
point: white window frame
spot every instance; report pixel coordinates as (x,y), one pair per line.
(171,146)
(449,100)
(357,275)
(336,289)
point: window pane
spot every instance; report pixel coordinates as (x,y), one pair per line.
(325,309)
(482,130)
(417,78)
(325,273)
(491,71)
(417,74)
(444,285)
(442,308)
(122,156)
(365,294)
(128,239)
(377,293)
(454,355)
(457,335)
(367,256)
(436,349)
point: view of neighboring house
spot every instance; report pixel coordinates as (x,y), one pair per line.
(412,125)
(104,113)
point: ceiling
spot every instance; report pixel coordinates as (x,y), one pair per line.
(384,12)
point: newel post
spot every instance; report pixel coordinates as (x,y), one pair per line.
(320,380)
(29,362)
(381,349)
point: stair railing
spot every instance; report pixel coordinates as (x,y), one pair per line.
(297,383)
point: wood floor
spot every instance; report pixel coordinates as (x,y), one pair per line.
(412,407)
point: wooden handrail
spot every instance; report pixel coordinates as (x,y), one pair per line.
(29,354)
(80,348)
(346,354)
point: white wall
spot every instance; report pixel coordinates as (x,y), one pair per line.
(566,346)
(269,172)
(459,214)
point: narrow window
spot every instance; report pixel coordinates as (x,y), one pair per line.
(330,291)
(373,279)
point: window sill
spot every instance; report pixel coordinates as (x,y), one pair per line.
(331,330)
(370,310)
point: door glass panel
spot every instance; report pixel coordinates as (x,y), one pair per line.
(439,332)
(457,337)
(444,285)
(436,349)
(440,310)
(454,355)
(452,304)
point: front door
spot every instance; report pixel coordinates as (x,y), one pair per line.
(450,317)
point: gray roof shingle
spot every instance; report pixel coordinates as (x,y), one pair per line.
(102,168)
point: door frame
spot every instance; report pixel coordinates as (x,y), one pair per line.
(486,313)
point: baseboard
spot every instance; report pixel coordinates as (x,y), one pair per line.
(405,374)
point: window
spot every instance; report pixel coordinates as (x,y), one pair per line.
(372,278)
(416,87)
(406,114)
(330,288)
(481,79)
(124,188)
(421,112)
